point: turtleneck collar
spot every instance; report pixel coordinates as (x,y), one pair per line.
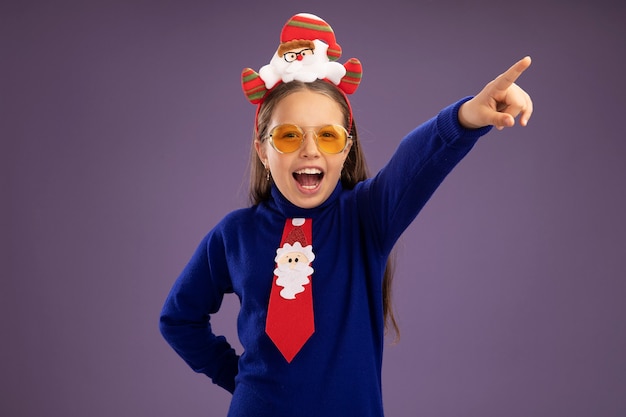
(288,209)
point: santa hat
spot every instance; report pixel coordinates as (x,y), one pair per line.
(296,234)
(305,26)
(295,240)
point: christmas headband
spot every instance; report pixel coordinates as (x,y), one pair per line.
(307,52)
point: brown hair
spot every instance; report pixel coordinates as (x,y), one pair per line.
(295,44)
(355,167)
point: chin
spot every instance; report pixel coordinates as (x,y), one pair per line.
(309,201)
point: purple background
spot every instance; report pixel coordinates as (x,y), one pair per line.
(125,138)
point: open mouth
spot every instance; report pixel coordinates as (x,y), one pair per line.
(308,178)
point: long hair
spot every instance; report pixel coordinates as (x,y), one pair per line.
(354,168)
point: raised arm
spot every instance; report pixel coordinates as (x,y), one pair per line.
(500,102)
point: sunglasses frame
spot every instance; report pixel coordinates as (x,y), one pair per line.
(315,131)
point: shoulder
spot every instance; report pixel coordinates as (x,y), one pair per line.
(237,218)
(227,229)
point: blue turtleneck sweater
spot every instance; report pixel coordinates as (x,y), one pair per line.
(338,371)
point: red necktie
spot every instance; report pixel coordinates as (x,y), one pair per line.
(290,311)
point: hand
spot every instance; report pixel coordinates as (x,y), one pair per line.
(500,102)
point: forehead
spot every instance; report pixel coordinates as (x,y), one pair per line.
(307,108)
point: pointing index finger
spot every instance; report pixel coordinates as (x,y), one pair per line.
(504,80)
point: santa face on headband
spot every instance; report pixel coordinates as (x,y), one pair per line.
(304,61)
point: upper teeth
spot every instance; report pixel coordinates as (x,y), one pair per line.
(309,171)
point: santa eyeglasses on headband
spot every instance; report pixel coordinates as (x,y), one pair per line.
(305,65)
(297,56)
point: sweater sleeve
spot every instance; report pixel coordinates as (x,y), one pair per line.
(185,318)
(423,159)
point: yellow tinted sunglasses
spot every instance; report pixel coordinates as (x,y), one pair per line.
(329,139)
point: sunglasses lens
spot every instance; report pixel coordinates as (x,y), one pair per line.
(332,139)
(286,138)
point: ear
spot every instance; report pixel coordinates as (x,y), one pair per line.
(261,151)
(346,151)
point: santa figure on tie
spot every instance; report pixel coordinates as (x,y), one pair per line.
(293,268)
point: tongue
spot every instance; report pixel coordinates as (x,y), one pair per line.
(308,180)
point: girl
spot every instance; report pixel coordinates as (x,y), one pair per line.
(308,259)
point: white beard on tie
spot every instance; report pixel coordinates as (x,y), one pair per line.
(292,278)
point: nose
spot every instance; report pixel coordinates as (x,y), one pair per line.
(299,57)
(309,146)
